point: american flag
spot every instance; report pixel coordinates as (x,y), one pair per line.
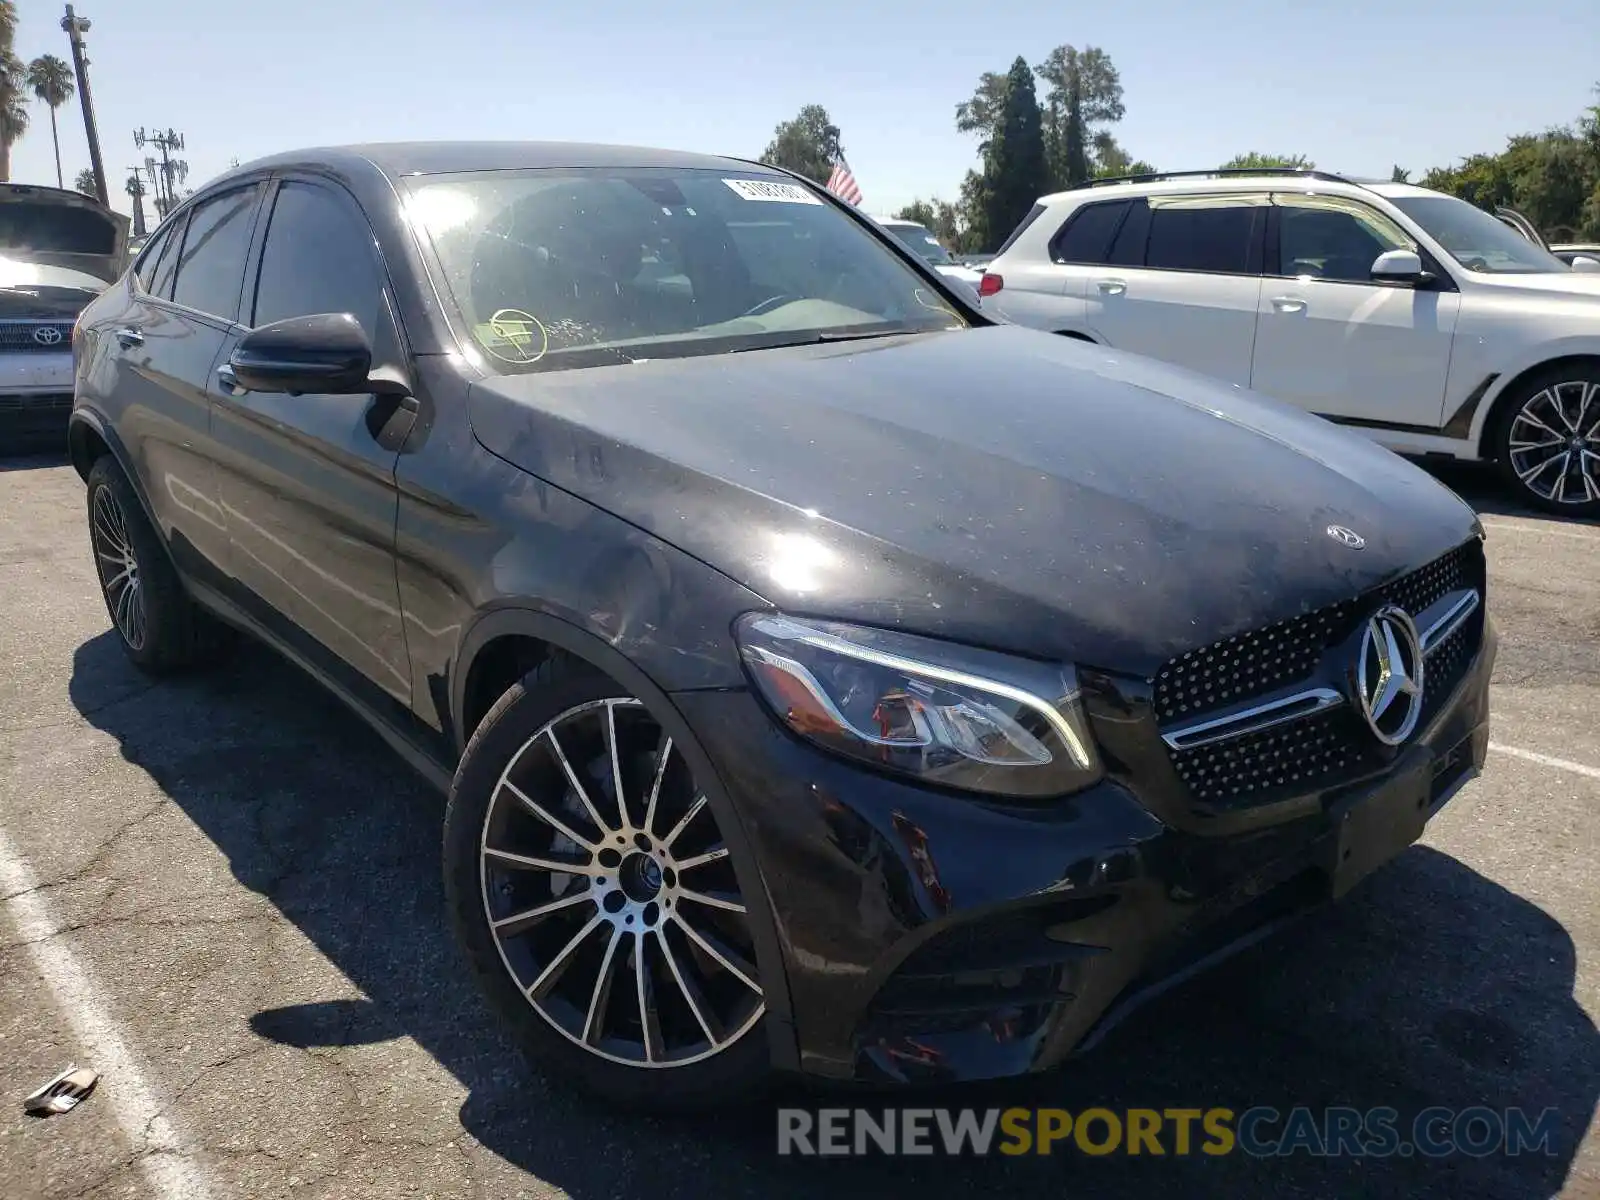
(843,184)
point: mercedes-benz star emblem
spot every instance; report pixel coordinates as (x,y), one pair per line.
(1346,536)
(1389,675)
(47,335)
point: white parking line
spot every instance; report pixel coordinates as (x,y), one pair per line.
(1544,760)
(169,1167)
(1547,527)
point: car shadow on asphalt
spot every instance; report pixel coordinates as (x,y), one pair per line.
(1480,485)
(33,458)
(1431,985)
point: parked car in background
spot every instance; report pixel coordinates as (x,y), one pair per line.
(1408,314)
(1584,256)
(1571,252)
(790,716)
(58,250)
(925,245)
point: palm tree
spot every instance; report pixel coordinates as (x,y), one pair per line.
(13,81)
(51,80)
(84,182)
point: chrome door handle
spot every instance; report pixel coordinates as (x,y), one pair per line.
(228,382)
(1111,287)
(129,337)
(1288,304)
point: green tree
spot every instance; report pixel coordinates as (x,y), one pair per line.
(51,80)
(1255,160)
(1110,159)
(1084,91)
(13,88)
(1399,175)
(83,181)
(981,114)
(807,144)
(1015,172)
(919,211)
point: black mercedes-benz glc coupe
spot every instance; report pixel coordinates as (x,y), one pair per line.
(824,677)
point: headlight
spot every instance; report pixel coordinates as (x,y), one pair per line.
(947,714)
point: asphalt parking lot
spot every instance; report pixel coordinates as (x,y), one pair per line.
(223,893)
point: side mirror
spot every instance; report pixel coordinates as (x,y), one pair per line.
(1399,266)
(1583,263)
(324,353)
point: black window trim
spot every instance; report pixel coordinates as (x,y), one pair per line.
(1442,280)
(342,195)
(1052,248)
(183,214)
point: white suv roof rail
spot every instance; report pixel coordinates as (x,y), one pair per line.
(1219,173)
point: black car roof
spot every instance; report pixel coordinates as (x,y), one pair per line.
(428,158)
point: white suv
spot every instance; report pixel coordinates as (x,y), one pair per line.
(1404,312)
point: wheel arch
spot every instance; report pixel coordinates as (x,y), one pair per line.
(89,438)
(1500,404)
(507,630)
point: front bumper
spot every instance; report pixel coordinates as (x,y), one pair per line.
(929,937)
(35,393)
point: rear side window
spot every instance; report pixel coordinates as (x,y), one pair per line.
(211,265)
(145,271)
(318,258)
(1086,237)
(1203,234)
(166,265)
(1033,215)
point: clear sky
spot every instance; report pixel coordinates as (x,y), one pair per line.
(1358,85)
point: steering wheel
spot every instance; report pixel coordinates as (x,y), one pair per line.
(770,303)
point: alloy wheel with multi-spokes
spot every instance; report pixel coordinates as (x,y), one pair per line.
(118,567)
(610,893)
(1553,443)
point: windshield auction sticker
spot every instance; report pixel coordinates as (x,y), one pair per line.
(762,189)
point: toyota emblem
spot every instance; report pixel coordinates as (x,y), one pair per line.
(1346,536)
(1389,670)
(47,335)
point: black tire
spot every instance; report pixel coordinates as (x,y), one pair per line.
(557,687)
(173,634)
(1520,422)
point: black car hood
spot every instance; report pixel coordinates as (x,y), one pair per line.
(998,486)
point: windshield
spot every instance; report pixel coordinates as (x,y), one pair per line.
(555,269)
(923,243)
(1475,239)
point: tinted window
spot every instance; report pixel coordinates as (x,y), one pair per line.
(1087,236)
(1332,239)
(1127,250)
(212,263)
(145,271)
(1201,235)
(167,264)
(559,269)
(318,258)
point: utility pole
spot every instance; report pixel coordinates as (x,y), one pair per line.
(75,27)
(166,143)
(136,191)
